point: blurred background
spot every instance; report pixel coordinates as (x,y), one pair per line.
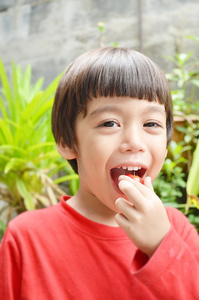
(49,34)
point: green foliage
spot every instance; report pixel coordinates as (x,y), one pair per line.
(185,75)
(194,218)
(193,179)
(2,229)
(29,161)
(171,181)
(190,129)
(179,177)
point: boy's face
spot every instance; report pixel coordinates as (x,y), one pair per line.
(119,135)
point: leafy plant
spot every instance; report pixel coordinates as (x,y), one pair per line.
(184,80)
(185,75)
(193,180)
(29,161)
(194,218)
(2,229)
(171,181)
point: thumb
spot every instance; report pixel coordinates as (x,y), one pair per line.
(148,183)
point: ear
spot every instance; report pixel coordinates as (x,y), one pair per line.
(66,151)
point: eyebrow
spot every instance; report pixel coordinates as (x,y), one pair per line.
(103,109)
(113,108)
(155,109)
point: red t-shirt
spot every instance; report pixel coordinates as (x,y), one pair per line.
(56,253)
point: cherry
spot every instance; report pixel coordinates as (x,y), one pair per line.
(135,176)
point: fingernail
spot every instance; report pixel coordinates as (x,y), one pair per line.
(137,179)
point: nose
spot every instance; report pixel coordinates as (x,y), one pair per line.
(132,140)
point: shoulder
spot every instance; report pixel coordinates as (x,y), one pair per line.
(34,220)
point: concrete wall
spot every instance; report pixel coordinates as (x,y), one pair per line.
(49,34)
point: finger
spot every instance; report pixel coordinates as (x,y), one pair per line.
(147,180)
(148,183)
(142,187)
(121,220)
(123,206)
(132,193)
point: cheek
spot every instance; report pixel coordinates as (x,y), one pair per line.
(92,152)
(158,161)
(159,152)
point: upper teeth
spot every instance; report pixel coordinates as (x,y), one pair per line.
(130,168)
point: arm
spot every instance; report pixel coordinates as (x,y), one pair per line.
(170,268)
(10,281)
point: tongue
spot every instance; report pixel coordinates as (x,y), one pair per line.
(115,173)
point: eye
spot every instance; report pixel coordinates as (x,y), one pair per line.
(152,125)
(109,124)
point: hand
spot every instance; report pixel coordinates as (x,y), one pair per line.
(143,216)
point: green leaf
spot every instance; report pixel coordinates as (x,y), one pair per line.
(4,157)
(52,154)
(5,132)
(32,107)
(195,82)
(66,178)
(16,95)
(3,108)
(36,88)
(41,146)
(193,37)
(28,199)
(14,164)
(6,88)
(50,90)
(74,185)
(12,147)
(193,176)
(43,109)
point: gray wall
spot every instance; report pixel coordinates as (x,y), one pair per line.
(49,34)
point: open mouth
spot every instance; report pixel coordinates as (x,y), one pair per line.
(124,170)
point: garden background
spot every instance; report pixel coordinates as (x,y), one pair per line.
(38,39)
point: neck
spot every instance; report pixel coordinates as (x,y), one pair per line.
(93,210)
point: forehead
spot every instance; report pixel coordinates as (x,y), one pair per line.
(119,105)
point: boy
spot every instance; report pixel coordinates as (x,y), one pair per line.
(114,239)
